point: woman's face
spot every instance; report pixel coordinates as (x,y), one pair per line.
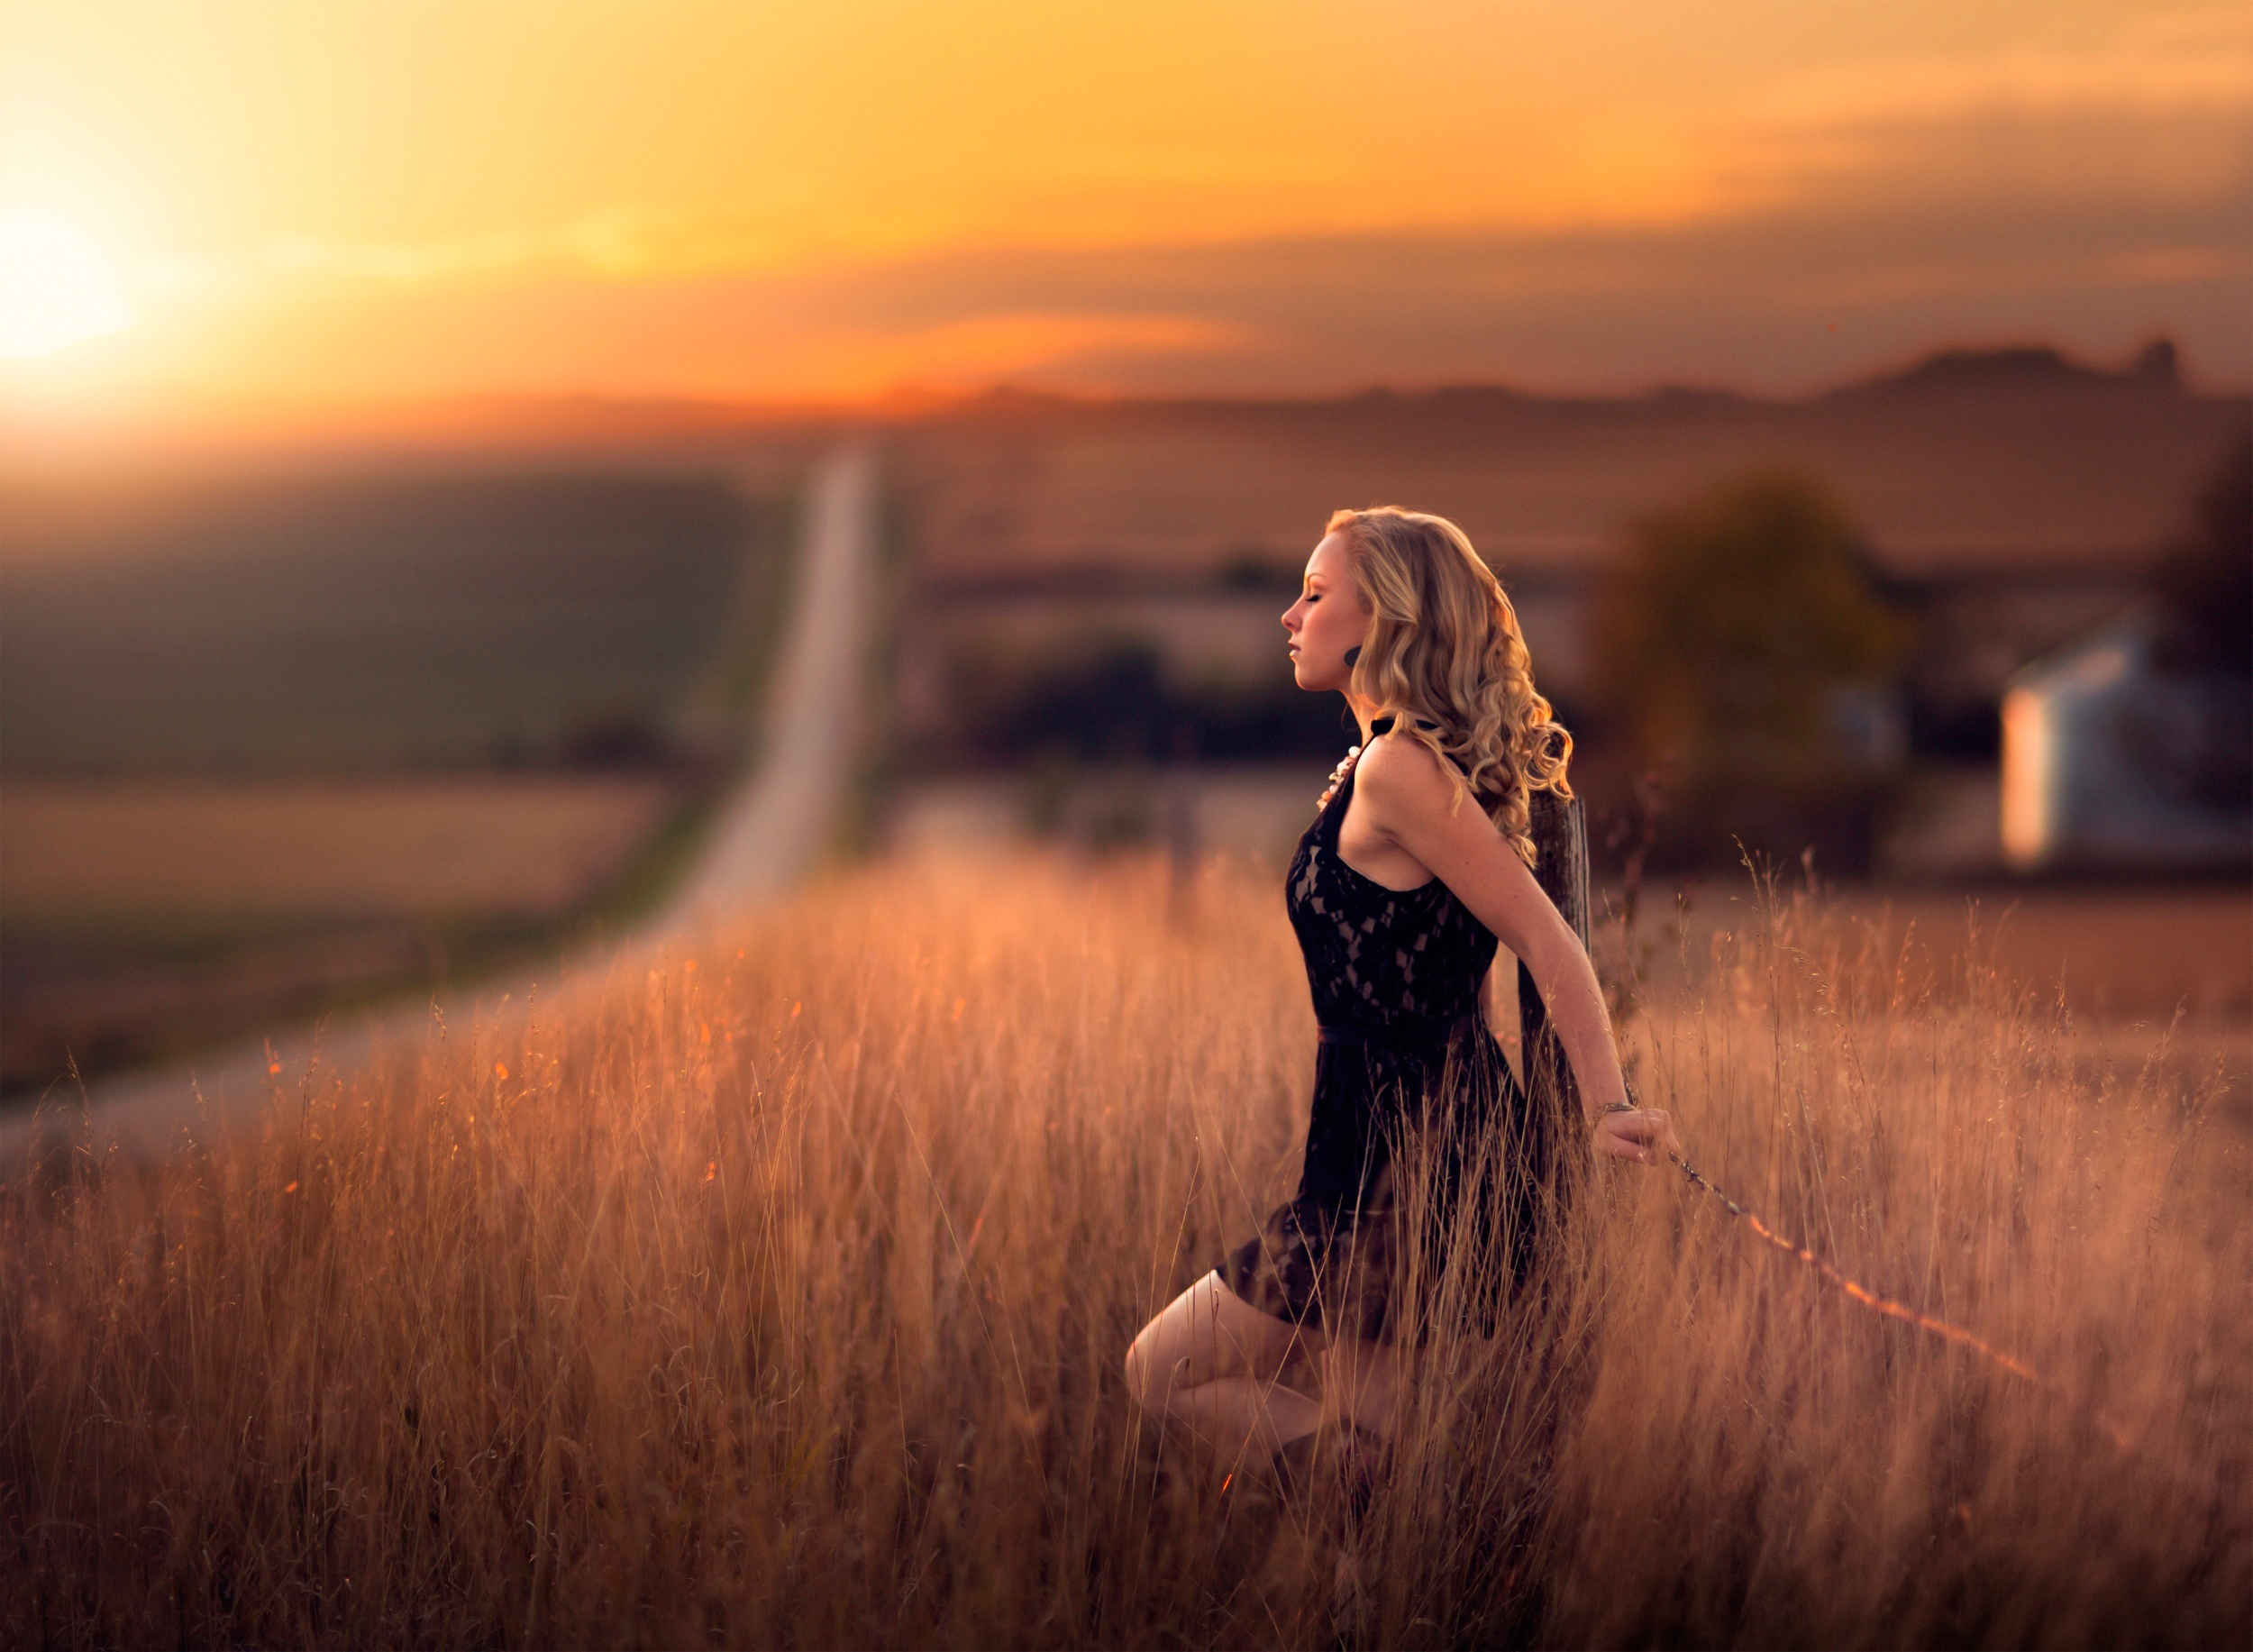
(1329,617)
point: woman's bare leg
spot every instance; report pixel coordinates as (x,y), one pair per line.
(1208,1363)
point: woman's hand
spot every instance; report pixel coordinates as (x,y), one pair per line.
(1639,1133)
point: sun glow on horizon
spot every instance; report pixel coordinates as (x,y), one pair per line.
(710,200)
(56,288)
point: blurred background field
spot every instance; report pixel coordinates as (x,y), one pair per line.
(268,624)
(155,918)
(272,744)
(1099,581)
(283,741)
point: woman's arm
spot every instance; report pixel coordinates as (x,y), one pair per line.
(1408,801)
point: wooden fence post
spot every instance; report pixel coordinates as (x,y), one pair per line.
(1559,828)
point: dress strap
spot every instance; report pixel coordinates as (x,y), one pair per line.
(1385,724)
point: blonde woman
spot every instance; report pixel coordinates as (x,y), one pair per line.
(1417,865)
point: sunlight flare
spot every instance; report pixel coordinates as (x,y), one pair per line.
(56,288)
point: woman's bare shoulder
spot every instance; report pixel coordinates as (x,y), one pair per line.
(1398,771)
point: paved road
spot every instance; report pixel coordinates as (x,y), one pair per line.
(776,828)
(766,837)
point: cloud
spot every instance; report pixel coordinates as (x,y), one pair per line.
(1831,219)
(1083,348)
(2163,107)
(1776,301)
(618,242)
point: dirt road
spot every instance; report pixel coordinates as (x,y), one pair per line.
(766,837)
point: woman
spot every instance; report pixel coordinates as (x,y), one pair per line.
(1399,894)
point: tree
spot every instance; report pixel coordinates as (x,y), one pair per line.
(2204,580)
(1741,642)
(2203,645)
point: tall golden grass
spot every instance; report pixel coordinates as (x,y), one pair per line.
(774,1295)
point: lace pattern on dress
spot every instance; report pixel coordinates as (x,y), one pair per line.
(1377,958)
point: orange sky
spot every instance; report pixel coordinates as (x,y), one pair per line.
(342,202)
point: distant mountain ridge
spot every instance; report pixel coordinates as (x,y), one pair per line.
(2001,459)
(1974,368)
(472,425)
(2157,365)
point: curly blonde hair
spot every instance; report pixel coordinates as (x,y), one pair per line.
(1445,655)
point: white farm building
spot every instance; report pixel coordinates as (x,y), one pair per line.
(2099,759)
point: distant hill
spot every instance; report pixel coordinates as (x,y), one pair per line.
(1999,460)
(2026,367)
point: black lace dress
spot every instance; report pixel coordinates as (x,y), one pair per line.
(1404,1054)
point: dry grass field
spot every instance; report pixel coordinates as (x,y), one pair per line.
(775,1296)
(164,851)
(2128,972)
(150,918)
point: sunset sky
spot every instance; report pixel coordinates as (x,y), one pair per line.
(350,203)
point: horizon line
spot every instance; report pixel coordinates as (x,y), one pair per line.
(502,416)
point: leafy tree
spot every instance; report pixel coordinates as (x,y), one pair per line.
(1731,644)
(2202,639)
(2204,580)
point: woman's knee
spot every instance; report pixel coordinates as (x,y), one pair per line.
(1165,1352)
(1140,1362)
(1204,1333)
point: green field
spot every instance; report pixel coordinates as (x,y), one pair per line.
(356,622)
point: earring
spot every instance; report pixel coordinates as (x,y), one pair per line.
(1353,654)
